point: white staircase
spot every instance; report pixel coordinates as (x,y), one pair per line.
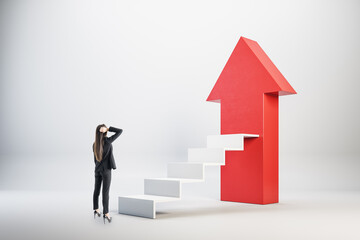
(168,189)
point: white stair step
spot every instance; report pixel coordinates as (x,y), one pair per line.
(154,198)
(213,164)
(181,180)
(228,141)
(206,155)
(141,205)
(185,170)
(162,187)
(210,163)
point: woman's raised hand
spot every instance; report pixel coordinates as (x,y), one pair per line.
(104,129)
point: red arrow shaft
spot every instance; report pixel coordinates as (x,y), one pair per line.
(251,175)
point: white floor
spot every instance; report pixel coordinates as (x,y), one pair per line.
(68,215)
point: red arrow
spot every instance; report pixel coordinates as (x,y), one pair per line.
(248,90)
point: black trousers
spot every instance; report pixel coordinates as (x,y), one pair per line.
(105,178)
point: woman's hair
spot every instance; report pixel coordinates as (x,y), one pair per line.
(99,142)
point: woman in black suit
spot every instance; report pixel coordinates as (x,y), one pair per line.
(104,162)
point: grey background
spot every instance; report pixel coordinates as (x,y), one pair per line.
(148,67)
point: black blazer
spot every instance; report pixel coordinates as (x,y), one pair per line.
(108,161)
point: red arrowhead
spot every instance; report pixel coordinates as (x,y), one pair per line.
(248,89)
(248,69)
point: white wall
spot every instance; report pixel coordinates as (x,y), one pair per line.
(148,67)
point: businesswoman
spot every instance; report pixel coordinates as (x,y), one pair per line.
(104,162)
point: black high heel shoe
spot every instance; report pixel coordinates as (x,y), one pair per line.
(108,218)
(96,213)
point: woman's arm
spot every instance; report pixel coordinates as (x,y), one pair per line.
(117,131)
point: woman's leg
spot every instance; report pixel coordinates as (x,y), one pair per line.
(105,191)
(98,180)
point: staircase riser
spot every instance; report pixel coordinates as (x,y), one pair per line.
(226,141)
(162,188)
(212,155)
(185,170)
(137,207)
